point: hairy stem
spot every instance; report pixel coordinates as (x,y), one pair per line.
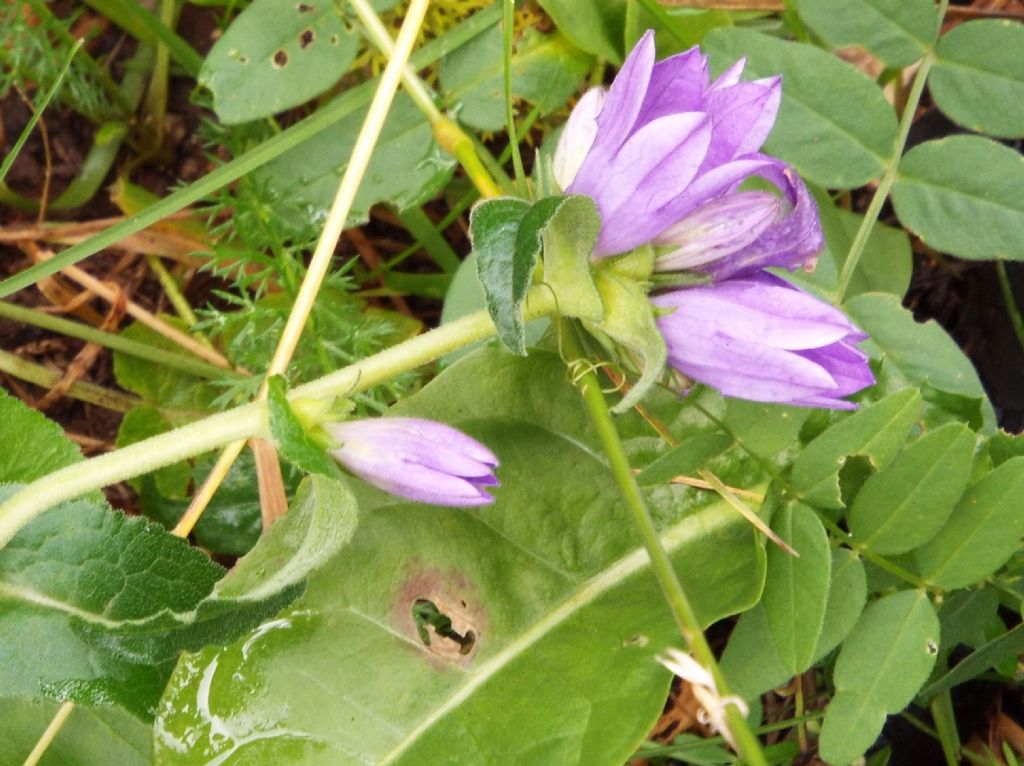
(661,564)
(248,420)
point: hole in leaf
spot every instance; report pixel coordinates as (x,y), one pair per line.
(931,647)
(305,8)
(335,39)
(426,614)
(280,59)
(243,59)
(306,38)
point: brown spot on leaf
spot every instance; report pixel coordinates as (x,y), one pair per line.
(455,597)
(281,59)
(305,8)
(306,38)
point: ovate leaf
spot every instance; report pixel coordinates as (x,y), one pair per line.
(278,54)
(883,663)
(876,432)
(796,589)
(903,505)
(42,446)
(982,533)
(834,124)
(978,77)
(963,195)
(897,31)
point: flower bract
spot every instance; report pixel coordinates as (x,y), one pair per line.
(418,459)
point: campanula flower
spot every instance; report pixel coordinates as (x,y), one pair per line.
(664,140)
(758,337)
(417,459)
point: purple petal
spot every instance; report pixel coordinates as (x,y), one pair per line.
(743,116)
(717,229)
(677,85)
(618,117)
(416,459)
(729,77)
(643,175)
(577,137)
(793,241)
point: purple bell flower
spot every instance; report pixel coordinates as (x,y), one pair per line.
(760,338)
(418,459)
(664,140)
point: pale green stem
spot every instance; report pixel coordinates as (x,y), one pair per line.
(87,392)
(447,133)
(248,420)
(173,292)
(882,192)
(1016,321)
(115,342)
(661,564)
(507,33)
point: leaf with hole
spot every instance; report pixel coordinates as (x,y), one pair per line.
(877,432)
(565,615)
(906,503)
(978,77)
(963,195)
(882,665)
(834,125)
(897,31)
(278,54)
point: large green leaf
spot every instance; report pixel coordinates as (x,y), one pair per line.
(978,77)
(905,504)
(982,533)
(834,124)
(876,432)
(897,31)
(546,71)
(883,663)
(963,195)
(407,167)
(557,615)
(82,565)
(278,54)
(89,737)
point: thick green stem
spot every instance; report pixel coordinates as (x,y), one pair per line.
(248,420)
(671,588)
(882,192)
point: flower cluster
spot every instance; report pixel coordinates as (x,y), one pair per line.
(417,459)
(663,154)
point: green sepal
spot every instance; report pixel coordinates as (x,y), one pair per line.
(629,322)
(292,435)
